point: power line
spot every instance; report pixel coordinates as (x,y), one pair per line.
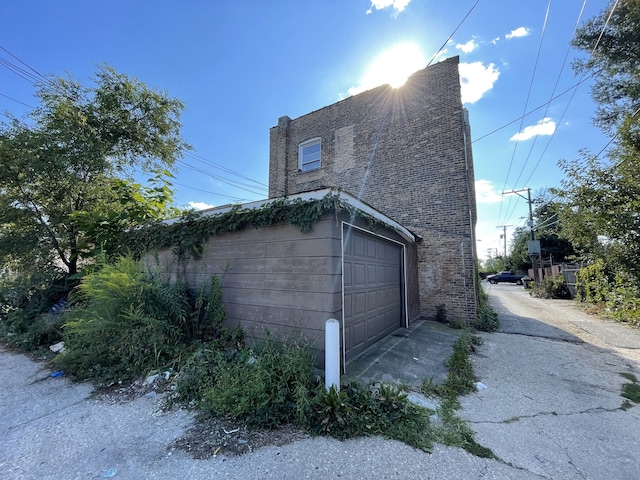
(571,88)
(211,193)
(259,185)
(37,79)
(453,33)
(574,88)
(526,103)
(544,115)
(25,64)
(217,177)
(15,100)
(573,94)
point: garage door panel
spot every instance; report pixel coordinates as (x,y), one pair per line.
(372,277)
(359,246)
(347,305)
(359,303)
(373,291)
(346,275)
(359,274)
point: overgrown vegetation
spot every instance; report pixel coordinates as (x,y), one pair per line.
(441,313)
(630,391)
(272,384)
(612,293)
(27,319)
(187,237)
(486,317)
(461,380)
(124,322)
(550,287)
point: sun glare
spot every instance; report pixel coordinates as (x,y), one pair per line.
(394,66)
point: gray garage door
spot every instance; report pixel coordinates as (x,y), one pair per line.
(372,289)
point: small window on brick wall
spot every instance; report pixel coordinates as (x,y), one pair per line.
(309,155)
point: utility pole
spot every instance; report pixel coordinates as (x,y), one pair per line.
(534,247)
(504,239)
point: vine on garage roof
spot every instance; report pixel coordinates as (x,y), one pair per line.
(187,236)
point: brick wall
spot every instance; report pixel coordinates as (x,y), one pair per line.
(407,153)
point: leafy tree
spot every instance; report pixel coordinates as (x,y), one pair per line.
(602,204)
(61,168)
(601,195)
(614,61)
(494,264)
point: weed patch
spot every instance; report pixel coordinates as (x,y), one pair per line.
(375,410)
(261,385)
(486,317)
(461,380)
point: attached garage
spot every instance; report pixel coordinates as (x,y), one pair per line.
(373,293)
(355,265)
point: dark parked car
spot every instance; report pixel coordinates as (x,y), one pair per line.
(506,277)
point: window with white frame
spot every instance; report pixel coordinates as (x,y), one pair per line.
(309,155)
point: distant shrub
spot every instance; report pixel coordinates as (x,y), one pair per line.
(592,283)
(550,287)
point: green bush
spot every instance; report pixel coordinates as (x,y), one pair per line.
(551,287)
(26,299)
(125,322)
(441,313)
(592,283)
(623,300)
(380,410)
(260,385)
(486,319)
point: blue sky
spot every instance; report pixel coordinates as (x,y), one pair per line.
(240,65)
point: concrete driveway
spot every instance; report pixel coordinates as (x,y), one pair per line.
(551,410)
(552,406)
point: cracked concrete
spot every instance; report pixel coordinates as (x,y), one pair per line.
(551,411)
(552,406)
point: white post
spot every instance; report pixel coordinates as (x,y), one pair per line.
(332,354)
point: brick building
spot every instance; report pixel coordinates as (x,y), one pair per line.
(407,153)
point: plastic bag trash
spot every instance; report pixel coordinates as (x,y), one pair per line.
(151,394)
(57,374)
(229,432)
(110,473)
(481,386)
(57,347)
(242,441)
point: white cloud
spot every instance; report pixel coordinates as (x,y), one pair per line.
(397,5)
(476,79)
(200,205)
(546,126)
(393,67)
(518,32)
(486,193)
(468,47)
(495,40)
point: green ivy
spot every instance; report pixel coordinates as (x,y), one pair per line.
(187,236)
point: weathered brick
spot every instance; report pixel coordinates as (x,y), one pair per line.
(407,153)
